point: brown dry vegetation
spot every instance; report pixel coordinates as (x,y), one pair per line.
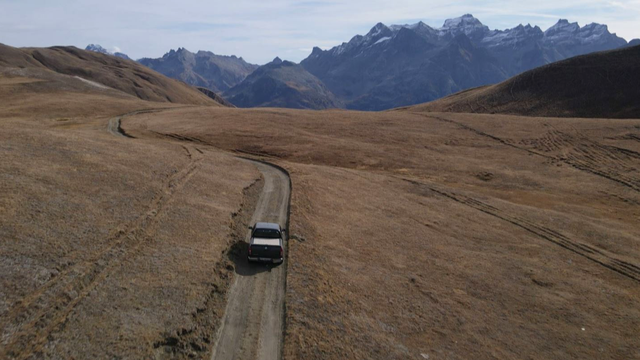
(448,235)
(108,247)
(115,73)
(413,234)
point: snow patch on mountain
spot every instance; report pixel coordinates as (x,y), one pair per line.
(381,40)
(99,49)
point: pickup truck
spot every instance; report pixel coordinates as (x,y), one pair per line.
(266,244)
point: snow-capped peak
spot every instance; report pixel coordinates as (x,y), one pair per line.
(595,28)
(466,24)
(415,26)
(563,25)
(592,33)
(376,31)
(466,20)
(97,48)
(511,37)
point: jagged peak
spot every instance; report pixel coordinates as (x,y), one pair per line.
(97,48)
(277,60)
(204,52)
(179,51)
(418,25)
(563,25)
(462,21)
(596,26)
(378,29)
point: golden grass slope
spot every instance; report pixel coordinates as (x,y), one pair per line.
(413,234)
(109,246)
(446,235)
(110,71)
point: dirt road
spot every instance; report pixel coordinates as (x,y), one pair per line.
(252,326)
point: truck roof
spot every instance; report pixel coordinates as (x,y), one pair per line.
(266,225)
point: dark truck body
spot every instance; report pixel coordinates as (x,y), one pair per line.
(266,243)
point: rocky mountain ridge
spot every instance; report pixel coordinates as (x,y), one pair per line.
(205,69)
(401,65)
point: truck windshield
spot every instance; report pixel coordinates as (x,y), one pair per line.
(266,234)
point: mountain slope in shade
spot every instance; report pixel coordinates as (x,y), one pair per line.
(204,68)
(282,84)
(598,85)
(387,67)
(456,66)
(104,70)
(219,99)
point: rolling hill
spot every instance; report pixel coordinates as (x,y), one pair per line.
(109,71)
(597,85)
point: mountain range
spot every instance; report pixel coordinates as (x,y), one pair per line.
(401,65)
(390,66)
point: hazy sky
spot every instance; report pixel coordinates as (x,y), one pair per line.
(262,30)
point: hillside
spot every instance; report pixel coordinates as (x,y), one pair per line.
(204,69)
(412,235)
(453,236)
(597,85)
(102,233)
(109,71)
(401,65)
(282,84)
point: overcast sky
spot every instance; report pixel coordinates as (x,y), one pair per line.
(261,30)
